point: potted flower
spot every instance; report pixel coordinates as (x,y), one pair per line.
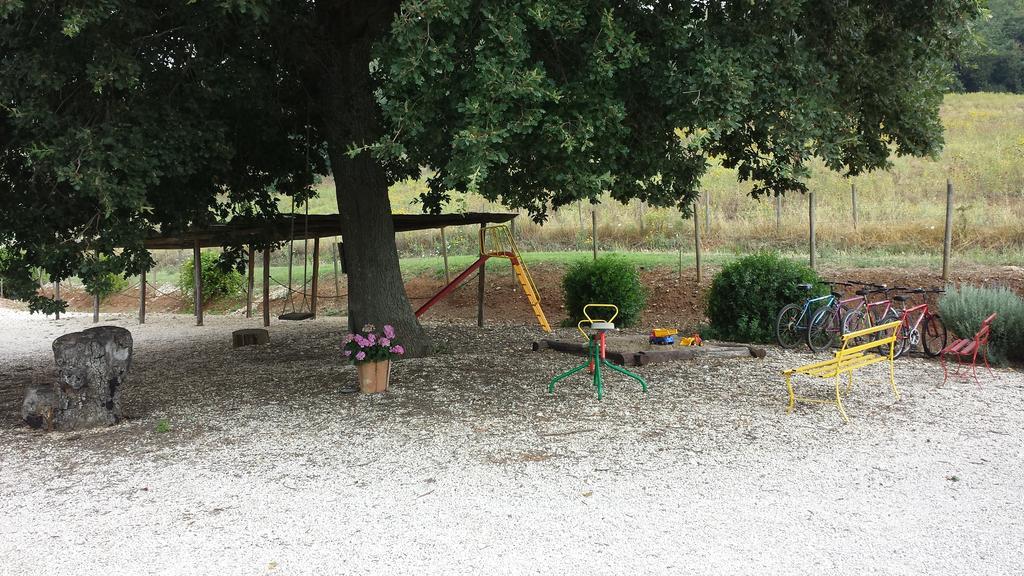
(372,354)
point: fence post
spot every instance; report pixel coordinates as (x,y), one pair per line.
(707,211)
(593,228)
(56,297)
(947,241)
(679,270)
(337,286)
(95,308)
(853,203)
(266,286)
(810,215)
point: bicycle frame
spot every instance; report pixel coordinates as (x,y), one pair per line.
(805,310)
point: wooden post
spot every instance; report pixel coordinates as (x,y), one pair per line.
(444,254)
(778,214)
(197,284)
(315,288)
(56,297)
(95,308)
(810,215)
(593,229)
(696,244)
(266,286)
(482,276)
(334,257)
(853,203)
(947,240)
(251,283)
(142,297)
(512,228)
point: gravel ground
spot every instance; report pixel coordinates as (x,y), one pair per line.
(467,466)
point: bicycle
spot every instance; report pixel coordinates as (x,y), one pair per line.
(828,325)
(794,320)
(931,334)
(871,313)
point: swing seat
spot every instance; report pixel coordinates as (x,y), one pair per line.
(295,316)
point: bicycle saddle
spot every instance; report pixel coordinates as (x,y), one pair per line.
(899,298)
(837,295)
(862,292)
(804,286)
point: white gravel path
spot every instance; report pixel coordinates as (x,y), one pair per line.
(468,467)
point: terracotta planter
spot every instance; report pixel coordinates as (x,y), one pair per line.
(374,376)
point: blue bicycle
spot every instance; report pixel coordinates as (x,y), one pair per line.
(795,320)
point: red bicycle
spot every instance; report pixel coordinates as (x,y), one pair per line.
(925,329)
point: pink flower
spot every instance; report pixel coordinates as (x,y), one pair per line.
(347,352)
(397,349)
(385,342)
(360,355)
(389,330)
(372,339)
(362,342)
(349,338)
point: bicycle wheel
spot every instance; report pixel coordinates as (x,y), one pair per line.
(934,336)
(787,331)
(902,335)
(823,331)
(856,320)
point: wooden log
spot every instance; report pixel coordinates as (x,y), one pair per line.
(620,358)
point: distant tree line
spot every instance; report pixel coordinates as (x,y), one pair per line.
(996,63)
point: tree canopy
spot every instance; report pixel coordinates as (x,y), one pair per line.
(120,118)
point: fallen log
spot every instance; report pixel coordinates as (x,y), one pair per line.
(652,355)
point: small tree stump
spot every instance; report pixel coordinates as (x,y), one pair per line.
(249,337)
(92,366)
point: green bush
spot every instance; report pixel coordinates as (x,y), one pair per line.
(218,282)
(964,309)
(106,285)
(608,280)
(746,296)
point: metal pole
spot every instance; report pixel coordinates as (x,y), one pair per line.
(853,203)
(56,297)
(947,241)
(251,283)
(593,229)
(482,276)
(197,284)
(810,214)
(679,270)
(95,308)
(444,254)
(696,244)
(142,297)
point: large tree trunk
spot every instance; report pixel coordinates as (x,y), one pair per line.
(376,293)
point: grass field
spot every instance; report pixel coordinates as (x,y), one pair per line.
(900,211)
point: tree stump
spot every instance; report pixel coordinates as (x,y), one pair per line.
(92,366)
(249,337)
(39,406)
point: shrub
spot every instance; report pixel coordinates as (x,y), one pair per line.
(218,281)
(746,296)
(608,280)
(964,309)
(107,284)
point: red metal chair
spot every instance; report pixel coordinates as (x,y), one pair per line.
(965,348)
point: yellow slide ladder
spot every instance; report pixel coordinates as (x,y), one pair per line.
(497,241)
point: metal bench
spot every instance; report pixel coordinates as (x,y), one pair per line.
(851,356)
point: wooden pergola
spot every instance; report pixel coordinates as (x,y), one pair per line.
(288,227)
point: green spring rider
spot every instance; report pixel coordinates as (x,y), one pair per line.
(596,350)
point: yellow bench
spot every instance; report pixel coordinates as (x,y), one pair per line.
(850,357)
